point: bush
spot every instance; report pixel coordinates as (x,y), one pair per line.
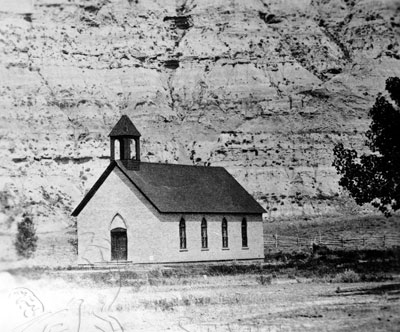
(74,243)
(26,240)
(157,272)
(347,276)
(165,304)
(73,240)
(264,279)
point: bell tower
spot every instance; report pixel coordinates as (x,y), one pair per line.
(125,132)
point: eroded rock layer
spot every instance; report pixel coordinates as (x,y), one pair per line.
(264,88)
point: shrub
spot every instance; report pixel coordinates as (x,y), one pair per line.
(26,240)
(264,279)
(347,276)
(74,243)
(157,272)
(154,281)
(73,240)
(165,304)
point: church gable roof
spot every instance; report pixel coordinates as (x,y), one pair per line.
(191,189)
(175,188)
(124,128)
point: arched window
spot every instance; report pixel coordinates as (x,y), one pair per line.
(244,233)
(204,238)
(182,234)
(224,233)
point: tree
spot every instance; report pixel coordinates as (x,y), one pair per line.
(26,240)
(375,178)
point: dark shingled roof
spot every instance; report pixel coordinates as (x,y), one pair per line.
(125,128)
(185,189)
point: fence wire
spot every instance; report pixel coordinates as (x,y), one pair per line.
(276,241)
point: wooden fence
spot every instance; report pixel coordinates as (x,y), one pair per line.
(282,242)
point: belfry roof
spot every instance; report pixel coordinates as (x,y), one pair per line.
(124,128)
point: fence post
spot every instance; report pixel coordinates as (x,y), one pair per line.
(276,240)
(319,234)
(363,241)
(384,241)
(341,240)
(297,239)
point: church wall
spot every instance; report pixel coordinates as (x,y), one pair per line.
(154,237)
(194,252)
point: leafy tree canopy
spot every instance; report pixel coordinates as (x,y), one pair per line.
(375,178)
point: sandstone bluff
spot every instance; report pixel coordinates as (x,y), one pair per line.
(264,88)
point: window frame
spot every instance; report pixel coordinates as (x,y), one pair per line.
(224,233)
(245,240)
(182,234)
(204,234)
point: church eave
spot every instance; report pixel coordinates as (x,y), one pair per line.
(94,189)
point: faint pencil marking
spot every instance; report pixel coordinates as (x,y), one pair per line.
(45,323)
(90,242)
(118,291)
(40,319)
(118,323)
(36,319)
(179,324)
(27,302)
(79,316)
(119,280)
(107,321)
(47,329)
(30,306)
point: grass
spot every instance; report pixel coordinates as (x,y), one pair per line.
(245,301)
(264,279)
(367,265)
(346,227)
(347,276)
(165,304)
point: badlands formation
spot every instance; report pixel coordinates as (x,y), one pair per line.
(264,88)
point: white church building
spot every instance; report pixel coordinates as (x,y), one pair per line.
(140,212)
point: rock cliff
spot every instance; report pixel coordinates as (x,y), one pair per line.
(264,88)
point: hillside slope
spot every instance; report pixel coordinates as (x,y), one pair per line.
(264,88)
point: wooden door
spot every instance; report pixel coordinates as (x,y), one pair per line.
(119,244)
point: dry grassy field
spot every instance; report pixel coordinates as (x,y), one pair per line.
(349,288)
(214,297)
(357,232)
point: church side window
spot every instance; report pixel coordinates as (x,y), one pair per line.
(204,238)
(224,233)
(244,233)
(182,234)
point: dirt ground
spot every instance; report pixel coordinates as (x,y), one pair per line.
(201,303)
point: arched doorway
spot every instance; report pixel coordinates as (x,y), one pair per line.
(119,244)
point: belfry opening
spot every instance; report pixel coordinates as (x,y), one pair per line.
(128,137)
